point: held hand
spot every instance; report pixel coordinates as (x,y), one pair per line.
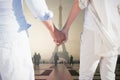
(58,37)
(66,33)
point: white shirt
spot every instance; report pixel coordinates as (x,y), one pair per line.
(12,10)
(15,58)
(12,19)
(103,16)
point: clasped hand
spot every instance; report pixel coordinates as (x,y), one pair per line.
(59,36)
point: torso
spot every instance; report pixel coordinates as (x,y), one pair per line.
(12,19)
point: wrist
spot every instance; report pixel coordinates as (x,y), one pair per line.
(50,26)
(53,30)
(65,30)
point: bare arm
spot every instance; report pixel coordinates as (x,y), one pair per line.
(40,11)
(72,15)
(49,25)
(57,35)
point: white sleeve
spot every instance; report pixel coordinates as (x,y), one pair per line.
(83,3)
(39,9)
(119,7)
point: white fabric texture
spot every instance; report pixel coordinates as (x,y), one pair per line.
(83,3)
(39,9)
(100,38)
(89,60)
(15,55)
(103,17)
(15,59)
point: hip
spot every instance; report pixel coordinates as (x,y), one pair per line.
(92,40)
(12,35)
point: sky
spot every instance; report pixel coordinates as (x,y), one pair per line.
(40,39)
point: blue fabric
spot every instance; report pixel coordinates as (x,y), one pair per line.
(11,10)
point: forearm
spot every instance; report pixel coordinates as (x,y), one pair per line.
(49,24)
(73,14)
(57,35)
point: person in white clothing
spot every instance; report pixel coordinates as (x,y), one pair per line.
(15,55)
(100,36)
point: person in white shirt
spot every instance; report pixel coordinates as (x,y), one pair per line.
(100,36)
(15,55)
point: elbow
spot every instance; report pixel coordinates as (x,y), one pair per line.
(47,15)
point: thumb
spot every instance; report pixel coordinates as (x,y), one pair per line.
(66,36)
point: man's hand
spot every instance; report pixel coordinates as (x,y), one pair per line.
(65,31)
(58,36)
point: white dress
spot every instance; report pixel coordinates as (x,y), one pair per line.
(104,20)
(100,38)
(15,55)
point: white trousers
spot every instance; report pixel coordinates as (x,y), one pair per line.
(15,59)
(89,60)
